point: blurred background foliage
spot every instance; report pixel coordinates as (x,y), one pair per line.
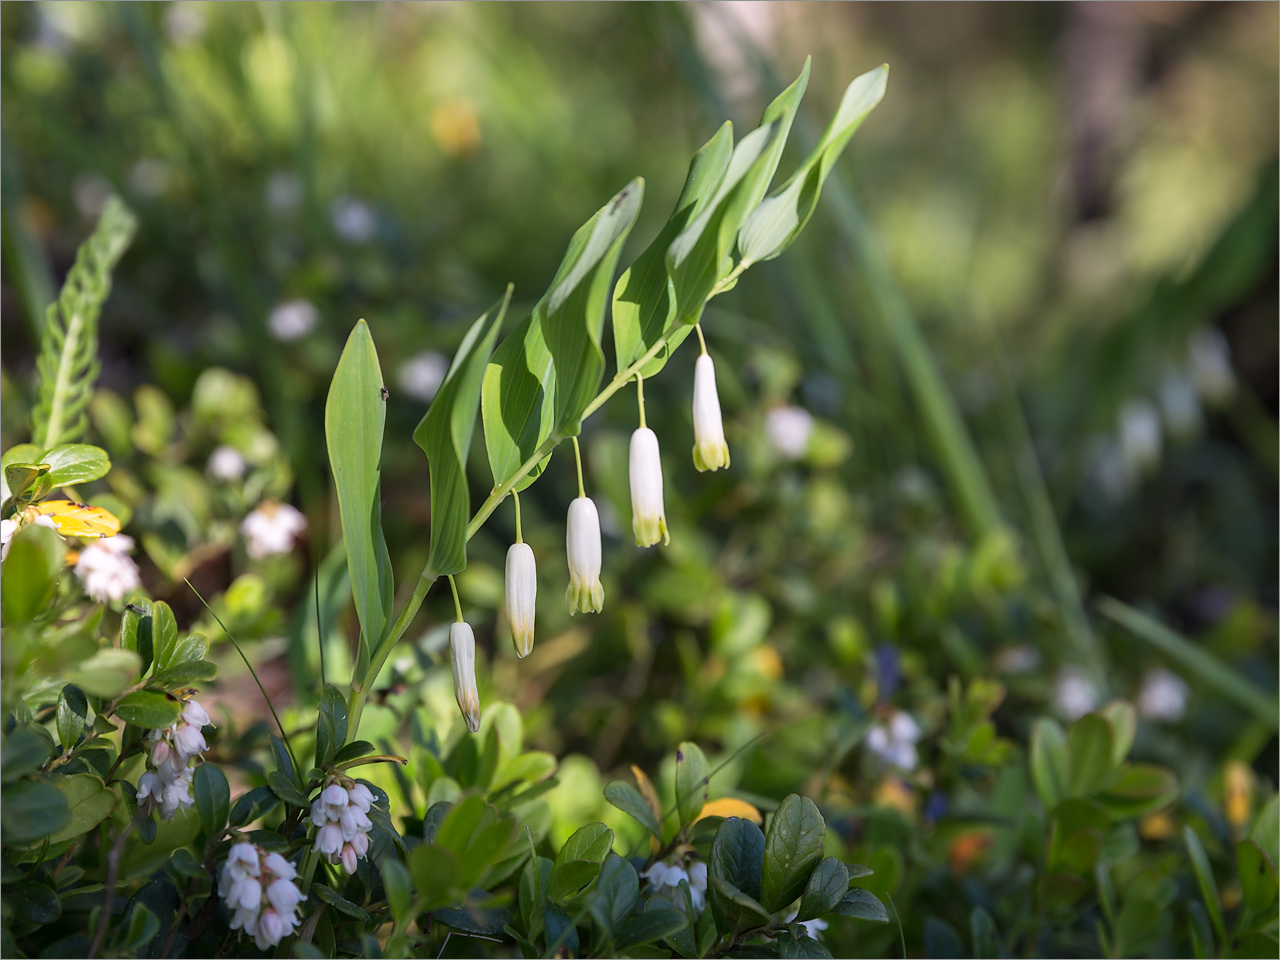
(1062,215)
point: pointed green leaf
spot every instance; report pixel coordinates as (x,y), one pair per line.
(73,713)
(148,708)
(1090,745)
(777,221)
(213,798)
(572,313)
(444,435)
(827,886)
(793,845)
(25,454)
(89,801)
(1201,867)
(691,781)
(71,463)
(164,633)
(627,799)
(517,402)
(1257,876)
(616,894)
(862,904)
(354,415)
(1049,762)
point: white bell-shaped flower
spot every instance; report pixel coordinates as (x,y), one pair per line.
(582,545)
(648,519)
(710,452)
(522,594)
(462,650)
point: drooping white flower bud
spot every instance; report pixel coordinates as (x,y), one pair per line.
(462,650)
(648,520)
(710,452)
(582,544)
(522,593)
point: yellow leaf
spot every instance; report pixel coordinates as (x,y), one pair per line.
(79,519)
(729,807)
(651,798)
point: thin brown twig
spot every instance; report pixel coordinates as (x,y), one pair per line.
(109,894)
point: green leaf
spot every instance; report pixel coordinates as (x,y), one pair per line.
(517,402)
(862,905)
(1204,878)
(135,630)
(1266,829)
(24,750)
(1049,762)
(73,714)
(353,751)
(741,910)
(986,938)
(149,709)
(777,221)
(628,799)
(644,307)
(164,633)
(338,902)
(25,455)
(280,753)
(354,415)
(827,886)
(107,673)
(434,871)
(789,946)
(474,920)
(398,885)
(89,803)
(737,855)
(691,781)
(444,435)
(1124,727)
(184,674)
(68,361)
(793,844)
(616,894)
(535,883)
(1090,744)
(562,933)
(189,649)
(579,861)
(71,463)
(572,313)
(30,573)
(1257,876)
(284,788)
(331,725)
(1138,790)
(33,901)
(462,822)
(1138,928)
(22,478)
(1079,828)
(254,805)
(142,926)
(31,811)
(649,927)
(213,798)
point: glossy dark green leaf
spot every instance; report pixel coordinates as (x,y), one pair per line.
(24,750)
(89,802)
(164,633)
(1138,790)
(434,871)
(628,799)
(615,896)
(33,901)
(793,845)
(737,855)
(741,910)
(398,885)
(691,781)
(1090,745)
(444,435)
(644,308)
(535,884)
(189,649)
(149,709)
(827,886)
(71,463)
(774,225)
(287,790)
(579,860)
(1257,876)
(863,905)
(213,798)
(479,921)
(354,751)
(468,815)
(789,946)
(650,927)
(184,674)
(573,309)
(561,934)
(331,725)
(517,402)
(73,714)
(338,902)
(254,805)
(354,416)
(986,939)
(1049,771)
(135,630)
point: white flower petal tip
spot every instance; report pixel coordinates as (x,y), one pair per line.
(462,650)
(522,594)
(582,546)
(710,452)
(648,519)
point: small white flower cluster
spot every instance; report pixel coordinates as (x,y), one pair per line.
(271,529)
(1074,693)
(226,464)
(1163,696)
(341,815)
(166,786)
(106,569)
(258,887)
(894,742)
(421,376)
(293,320)
(789,430)
(670,874)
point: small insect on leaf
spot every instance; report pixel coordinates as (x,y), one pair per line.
(79,519)
(385,393)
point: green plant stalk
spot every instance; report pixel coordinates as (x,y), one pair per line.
(360,686)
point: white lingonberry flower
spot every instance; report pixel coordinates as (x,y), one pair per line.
(293,320)
(420,376)
(341,813)
(226,463)
(522,594)
(272,529)
(166,785)
(1074,693)
(259,890)
(462,653)
(1140,441)
(1210,357)
(648,519)
(353,219)
(582,545)
(710,452)
(894,742)
(7,529)
(1180,406)
(106,569)
(1163,696)
(789,430)
(662,874)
